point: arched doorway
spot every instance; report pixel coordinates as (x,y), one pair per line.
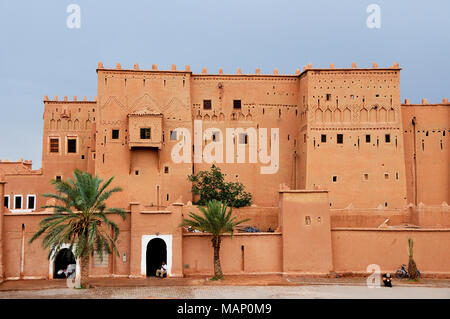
(63,259)
(156,254)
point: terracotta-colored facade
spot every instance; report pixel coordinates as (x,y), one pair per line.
(350,155)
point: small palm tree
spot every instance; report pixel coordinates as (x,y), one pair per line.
(81,219)
(412,267)
(217,221)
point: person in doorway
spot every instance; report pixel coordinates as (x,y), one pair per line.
(62,272)
(162,271)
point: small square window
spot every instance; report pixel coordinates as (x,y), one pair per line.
(115,134)
(207,104)
(367,138)
(166,169)
(387,138)
(386,176)
(136,172)
(82,157)
(173,135)
(340,138)
(366,177)
(58,178)
(236,104)
(71,145)
(145,133)
(54,145)
(335,179)
(323,138)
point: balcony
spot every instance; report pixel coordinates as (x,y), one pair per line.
(145,129)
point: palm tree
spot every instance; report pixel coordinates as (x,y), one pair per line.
(81,219)
(217,221)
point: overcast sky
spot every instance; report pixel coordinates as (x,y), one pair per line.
(41,56)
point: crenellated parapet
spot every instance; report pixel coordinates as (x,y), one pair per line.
(154,68)
(354,68)
(424,102)
(20,161)
(69,114)
(204,71)
(67,100)
(18,167)
(239,72)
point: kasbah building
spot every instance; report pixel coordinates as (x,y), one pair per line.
(358,173)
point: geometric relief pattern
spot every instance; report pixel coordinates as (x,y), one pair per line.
(327,115)
(319,116)
(364,115)
(373,115)
(337,115)
(145,102)
(391,115)
(382,115)
(347,115)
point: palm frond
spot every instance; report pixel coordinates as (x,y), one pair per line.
(216,218)
(86,230)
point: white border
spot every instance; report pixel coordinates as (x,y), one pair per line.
(145,240)
(52,262)
(34,208)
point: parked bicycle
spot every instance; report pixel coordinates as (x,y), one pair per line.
(403,272)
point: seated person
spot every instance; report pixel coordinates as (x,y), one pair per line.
(162,271)
(71,268)
(387,280)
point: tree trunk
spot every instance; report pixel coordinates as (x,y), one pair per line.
(412,269)
(217,268)
(84,276)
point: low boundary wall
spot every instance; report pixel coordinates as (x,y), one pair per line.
(244,253)
(356,248)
